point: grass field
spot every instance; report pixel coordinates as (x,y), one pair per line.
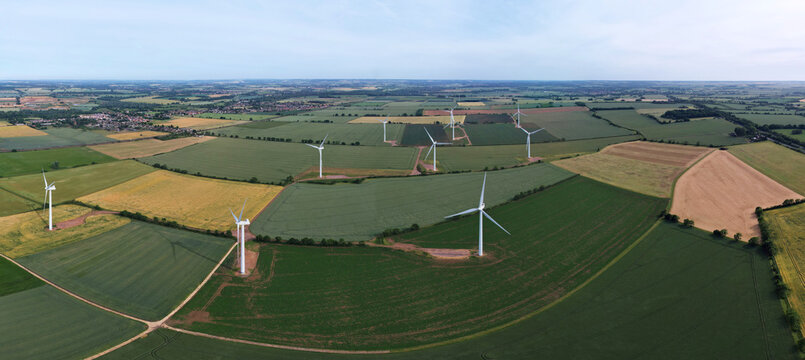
(14,279)
(574,125)
(365,134)
(132,135)
(415,135)
(150,100)
(243,116)
(706,132)
(441,119)
(480,157)
(44,323)
(644,167)
(140,269)
(270,161)
(75,182)
(57,137)
(27,162)
(777,162)
(583,225)
(788,132)
(629,312)
(318,211)
(787,227)
(26,233)
(198,123)
(19,131)
(502,134)
(147,147)
(13,204)
(763,119)
(190,200)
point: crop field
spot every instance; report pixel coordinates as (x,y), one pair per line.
(503,134)
(75,182)
(150,100)
(583,225)
(56,137)
(785,166)
(707,132)
(788,132)
(644,167)
(198,123)
(27,162)
(26,233)
(13,204)
(317,211)
(256,116)
(787,229)
(574,125)
(488,119)
(315,118)
(140,269)
(480,157)
(440,119)
(510,110)
(19,131)
(270,161)
(415,135)
(132,135)
(267,124)
(764,119)
(721,192)
(193,201)
(365,134)
(44,323)
(147,147)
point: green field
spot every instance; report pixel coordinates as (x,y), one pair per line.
(365,134)
(777,162)
(20,163)
(415,135)
(140,269)
(354,298)
(787,230)
(75,182)
(764,119)
(502,134)
(56,137)
(41,322)
(274,161)
(480,157)
(640,308)
(707,132)
(574,125)
(787,132)
(13,204)
(359,211)
(243,116)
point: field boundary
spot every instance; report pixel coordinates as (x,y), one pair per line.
(673,185)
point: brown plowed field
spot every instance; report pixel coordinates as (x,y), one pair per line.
(668,154)
(507,111)
(721,192)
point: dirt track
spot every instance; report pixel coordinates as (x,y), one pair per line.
(721,192)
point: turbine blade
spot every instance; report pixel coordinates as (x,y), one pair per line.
(525,131)
(468,211)
(447,125)
(483,189)
(233,215)
(426,132)
(313,146)
(45,201)
(43,177)
(51,184)
(495,222)
(444,143)
(241,209)
(429,149)
(536,131)
(325,139)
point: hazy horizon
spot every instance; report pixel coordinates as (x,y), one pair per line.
(737,41)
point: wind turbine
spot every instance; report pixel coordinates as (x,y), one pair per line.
(452,122)
(241,236)
(433,147)
(481,214)
(321,147)
(518,113)
(48,199)
(528,139)
(384,127)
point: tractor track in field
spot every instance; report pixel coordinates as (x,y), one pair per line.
(66,224)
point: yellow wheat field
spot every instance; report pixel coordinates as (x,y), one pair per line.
(408,119)
(200,123)
(19,131)
(470,103)
(147,147)
(189,200)
(131,135)
(26,233)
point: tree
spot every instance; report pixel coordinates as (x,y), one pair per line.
(740,131)
(737,236)
(754,241)
(688,223)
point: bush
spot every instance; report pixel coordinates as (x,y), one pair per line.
(688,223)
(754,241)
(671,218)
(720,233)
(737,236)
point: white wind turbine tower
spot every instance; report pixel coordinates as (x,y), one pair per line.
(528,139)
(518,113)
(241,236)
(481,214)
(452,122)
(384,127)
(433,147)
(48,199)
(320,148)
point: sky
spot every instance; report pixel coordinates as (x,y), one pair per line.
(734,40)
